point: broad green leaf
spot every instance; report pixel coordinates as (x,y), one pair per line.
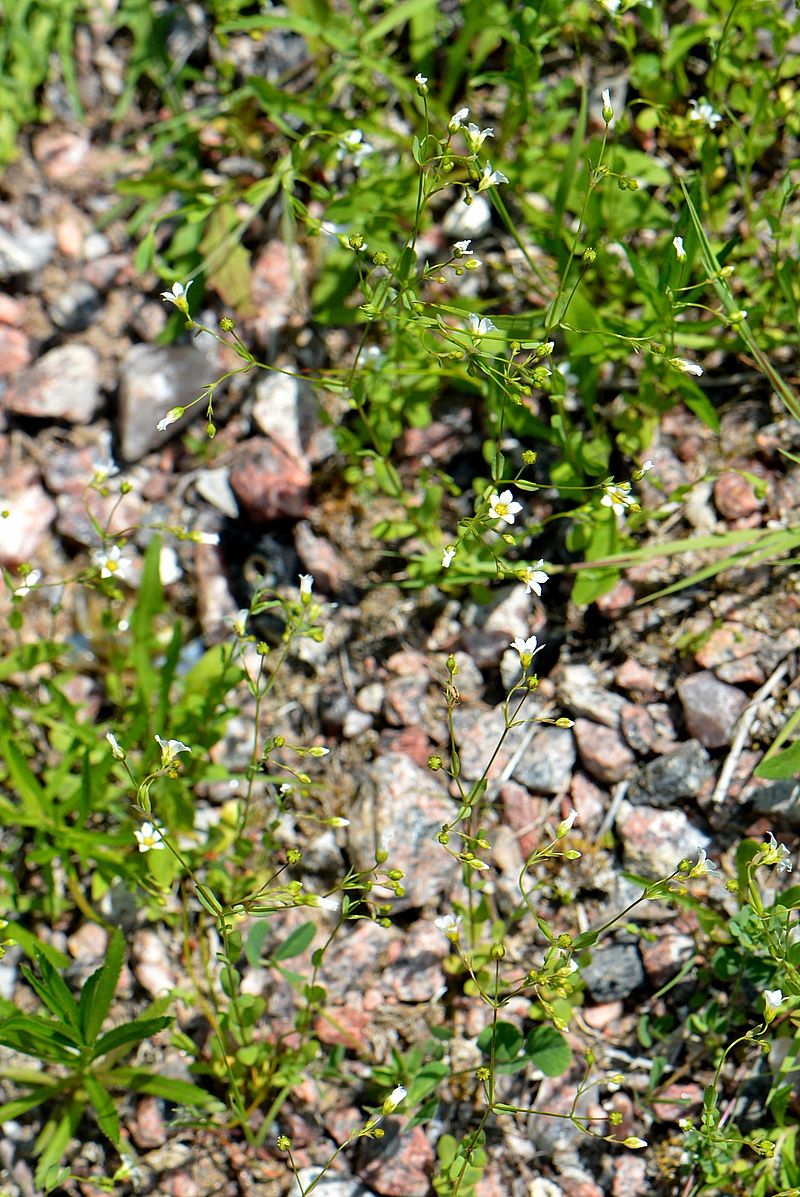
(296,943)
(548,1050)
(782,765)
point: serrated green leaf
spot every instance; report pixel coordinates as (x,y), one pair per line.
(104,1109)
(130,1032)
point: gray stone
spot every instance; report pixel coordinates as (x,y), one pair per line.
(603,751)
(710,708)
(781,801)
(24,251)
(654,842)
(62,385)
(673,777)
(75,307)
(154,379)
(547,763)
(401,807)
(285,410)
(581,694)
(331,1185)
(614,972)
(215,487)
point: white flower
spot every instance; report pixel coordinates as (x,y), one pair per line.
(285,788)
(703,866)
(479,326)
(773,1000)
(527,649)
(170,749)
(450,924)
(779,855)
(171,417)
(327,903)
(393,1100)
(204,537)
(457,119)
(149,835)
(461,248)
(239,621)
(645,467)
(490,178)
(30,580)
(117,752)
(608,110)
(703,111)
(306,583)
(565,826)
(534,579)
(177,295)
(611,6)
(112,564)
(503,507)
(617,495)
(685,366)
(680,252)
(447,556)
(353,143)
(475,137)
(420,80)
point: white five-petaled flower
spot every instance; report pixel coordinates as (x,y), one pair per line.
(306,583)
(112,564)
(461,248)
(490,178)
(475,137)
(30,580)
(148,836)
(457,119)
(703,865)
(704,112)
(450,924)
(527,649)
(447,556)
(617,495)
(680,252)
(117,752)
(171,417)
(178,295)
(504,507)
(685,366)
(781,857)
(479,326)
(773,1000)
(420,80)
(397,1095)
(534,578)
(170,749)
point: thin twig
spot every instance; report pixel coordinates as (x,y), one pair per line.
(617,795)
(743,728)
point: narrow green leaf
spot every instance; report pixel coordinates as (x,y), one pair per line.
(99,990)
(104,1108)
(130,1032)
